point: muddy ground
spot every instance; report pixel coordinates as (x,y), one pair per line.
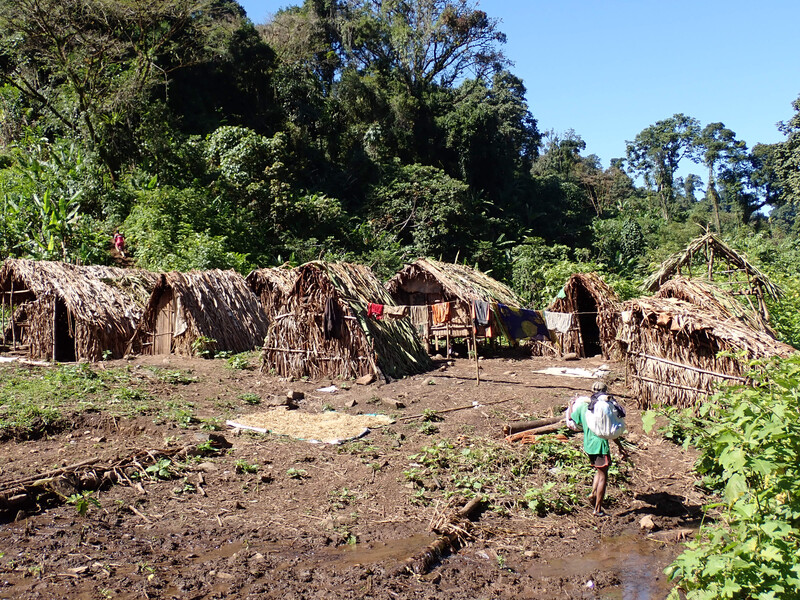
(321,521)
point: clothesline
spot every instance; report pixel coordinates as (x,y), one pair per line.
(514,323)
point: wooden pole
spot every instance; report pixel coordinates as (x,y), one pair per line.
(55,313)
(11,314)
(475,348)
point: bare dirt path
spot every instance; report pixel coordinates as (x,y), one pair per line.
(273,517)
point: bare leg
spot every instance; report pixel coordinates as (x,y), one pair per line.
(599,487)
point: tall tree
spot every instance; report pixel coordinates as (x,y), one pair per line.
(718,144)
(787,157)
(89,64)
(424,42)
(656,154)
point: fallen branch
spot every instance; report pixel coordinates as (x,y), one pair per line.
(47,475)
(452,534)
(555,427)
(37,492)
(447,410)
(518,426)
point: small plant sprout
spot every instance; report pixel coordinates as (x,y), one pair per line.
(162,469)
(83,502)
(242,466)
(294,473)
(250,398)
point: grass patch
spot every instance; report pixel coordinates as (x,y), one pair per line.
(34,400)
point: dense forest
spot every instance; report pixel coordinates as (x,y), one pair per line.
(349,130)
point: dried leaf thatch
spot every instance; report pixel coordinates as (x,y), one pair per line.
(595,309)
(71,312)
(187,307)
(703,293)
(297,344)
(272,286)
(677,352)
(713,249)
(427,281)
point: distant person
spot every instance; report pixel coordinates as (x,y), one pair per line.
(119,243)
(598,448)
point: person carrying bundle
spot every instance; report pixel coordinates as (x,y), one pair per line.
(602,419)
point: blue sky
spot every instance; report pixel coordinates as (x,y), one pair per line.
(609,68)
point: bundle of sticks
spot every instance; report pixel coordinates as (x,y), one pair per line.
(526,432)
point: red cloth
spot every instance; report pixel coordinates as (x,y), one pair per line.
(375,310)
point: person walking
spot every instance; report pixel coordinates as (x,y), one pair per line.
(598,449)
(119,243)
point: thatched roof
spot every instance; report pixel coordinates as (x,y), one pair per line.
(214,304)
(706,294)
(452,281)
(601,292)
(102,317)
(712,249)
(298,346)
(272,285)
(677,352)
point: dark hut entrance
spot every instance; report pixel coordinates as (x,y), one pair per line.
(587,321)
(63,337)
(165,324)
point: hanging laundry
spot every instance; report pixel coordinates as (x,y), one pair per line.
(521,323)
(440,313)
(480,312)
(331,320)
(375,310)
(420,319)
(556,321)
(395,312)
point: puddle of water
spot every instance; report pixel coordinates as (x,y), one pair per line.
(638,563)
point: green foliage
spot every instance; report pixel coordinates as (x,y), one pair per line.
(551,499)
(295,473)
(541,269)
(425,208)
(71,388)
(250,398)
(239,361)
(161,469)
(541,477)
(46,193)
(749,443)
(242,466)
(204,346)
(83,502)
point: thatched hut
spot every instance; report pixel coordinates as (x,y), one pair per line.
(428,282)
(677,352)
(706,294)
(272,286)
(714,260)
(322,329)
(589,311)
(200,311)
(65,312)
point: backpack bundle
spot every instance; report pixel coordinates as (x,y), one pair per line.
(605,417)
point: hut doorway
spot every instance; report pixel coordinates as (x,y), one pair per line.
(165,324)
(587,321)
(63,336)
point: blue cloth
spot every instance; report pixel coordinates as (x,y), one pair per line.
(521,323)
